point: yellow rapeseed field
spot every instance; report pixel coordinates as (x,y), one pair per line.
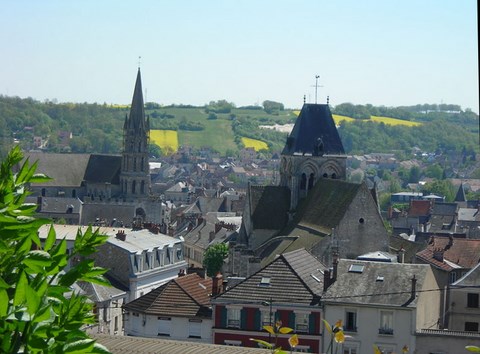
(339,119)
(256,144)
(394,121)
(167,140)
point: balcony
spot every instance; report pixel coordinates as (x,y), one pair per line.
(386,331)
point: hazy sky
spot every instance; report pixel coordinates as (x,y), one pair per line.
(383,52)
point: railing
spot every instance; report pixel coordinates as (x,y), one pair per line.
(233,323)
(385,331)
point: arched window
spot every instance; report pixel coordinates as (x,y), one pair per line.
(134,164)
(334,175)
(133,187)
(142,187)
(140,146)
(142,167)
(303,182)
(311,179)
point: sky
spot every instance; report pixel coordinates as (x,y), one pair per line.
(381,52)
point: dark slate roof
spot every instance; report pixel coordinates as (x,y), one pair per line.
(410,248)
(314,133)
(55,166)
(440,208)
(366,287)
(103,169)
(326,204)
(208,204)
(269,206)
(460,197)
(186,296)
(136,119)
(99,293)
(463,253)
(472,278)
(295,277)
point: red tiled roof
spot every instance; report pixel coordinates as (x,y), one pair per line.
(419,208)
(463,252)
(184,296)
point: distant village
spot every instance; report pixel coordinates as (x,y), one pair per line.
(306,246)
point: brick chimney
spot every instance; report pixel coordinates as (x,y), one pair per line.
(181,273)
(217,282)
(121,235)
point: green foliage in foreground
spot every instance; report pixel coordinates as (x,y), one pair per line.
(38,311)
(213,258)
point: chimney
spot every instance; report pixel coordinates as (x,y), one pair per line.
(211,236)
(217,282)
(335,266)
(401,255)
(450,242)
(121,235)
(414,287)
(181,273)
(326,279)
(438,254)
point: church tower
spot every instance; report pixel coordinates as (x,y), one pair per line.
(135,173)
(313,151)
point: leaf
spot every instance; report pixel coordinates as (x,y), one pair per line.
(20,290)
(39,178)
(79,346)
(327,326)
(473,348)
(36,259)
(3,284)
(269,329)
(33,300)
(285,330)
(50,241)
(99,349)
(4,300)
(293,341)
(262,342)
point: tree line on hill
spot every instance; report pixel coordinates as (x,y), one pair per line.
(98,127)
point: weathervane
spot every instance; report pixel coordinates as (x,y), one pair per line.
(316,87)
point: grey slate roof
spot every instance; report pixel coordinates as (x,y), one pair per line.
(379,283)
(314,133)
(54,166)
(59,205)
(326,204)
(294,277)
(99,293)
(472,278)
(269,206)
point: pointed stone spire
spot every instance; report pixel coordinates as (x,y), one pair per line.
(137,110)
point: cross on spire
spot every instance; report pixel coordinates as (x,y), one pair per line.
(316,87)
(139,61)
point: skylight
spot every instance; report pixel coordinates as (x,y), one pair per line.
(265,281)
(356,268)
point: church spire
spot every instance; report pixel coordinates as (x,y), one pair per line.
(137,110)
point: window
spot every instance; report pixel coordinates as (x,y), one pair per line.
(471,326)
(233,318)
(356,268)
(266,318)
(472,300)
(164,325)
(194,328)
(350,321)
(350,348)
(386,322)
(301,322)
(233,343)
(452,277)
